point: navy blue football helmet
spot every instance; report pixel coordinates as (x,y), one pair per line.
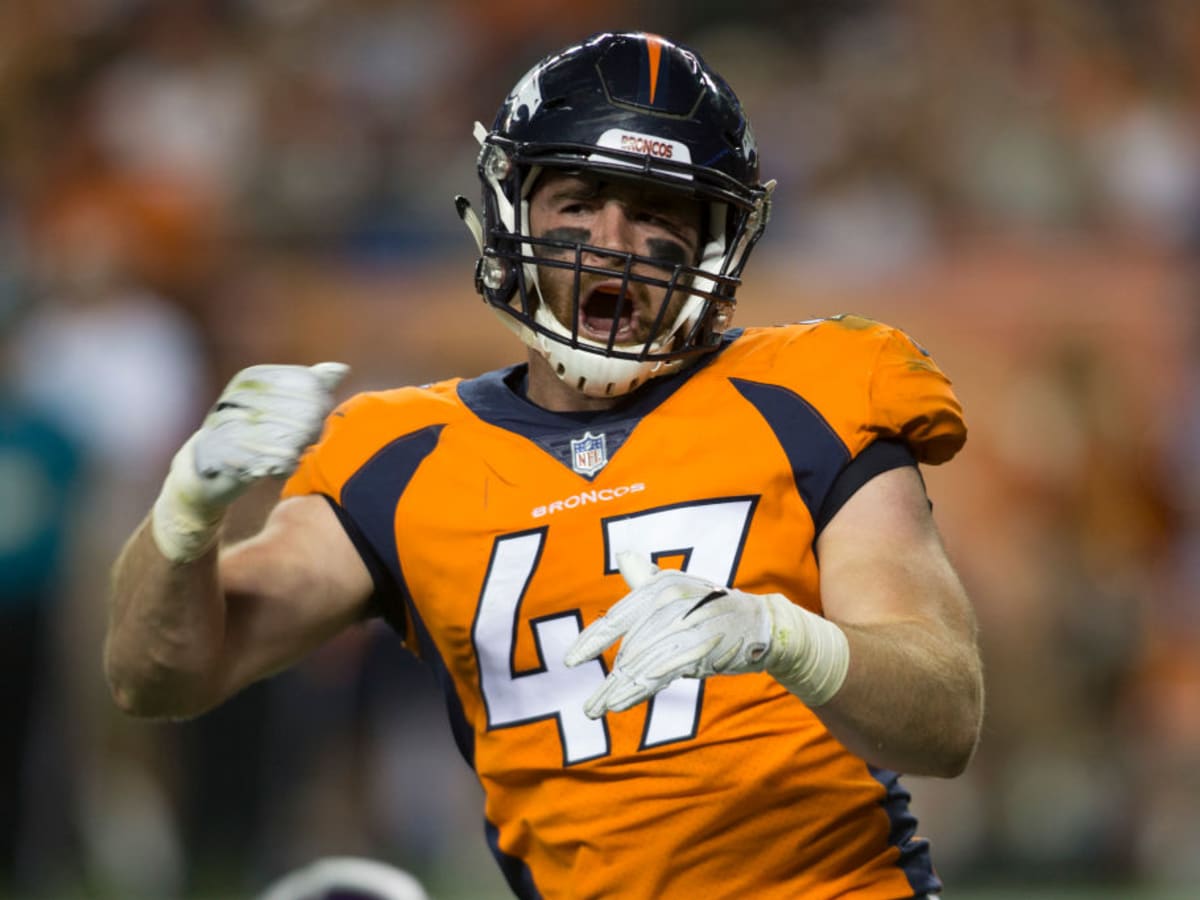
(627,106)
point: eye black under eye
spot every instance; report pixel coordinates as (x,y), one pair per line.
(562,233)
(669,252)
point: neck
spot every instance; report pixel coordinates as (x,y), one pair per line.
(550,392)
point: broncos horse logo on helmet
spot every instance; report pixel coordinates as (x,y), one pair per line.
(631,106)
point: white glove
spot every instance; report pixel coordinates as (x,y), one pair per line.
(677,625)
(259,426)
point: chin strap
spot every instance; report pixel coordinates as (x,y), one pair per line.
(470,218)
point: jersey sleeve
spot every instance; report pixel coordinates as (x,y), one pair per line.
(911,399)
(351,435)
(315,475)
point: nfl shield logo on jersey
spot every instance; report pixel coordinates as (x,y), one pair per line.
(589,454)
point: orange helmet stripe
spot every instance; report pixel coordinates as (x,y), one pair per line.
(654,45)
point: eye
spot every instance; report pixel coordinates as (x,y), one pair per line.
(576,207)
(671,224)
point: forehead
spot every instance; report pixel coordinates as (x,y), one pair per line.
(555,183)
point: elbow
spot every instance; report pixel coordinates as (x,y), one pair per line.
(142,702)
(130,701)
(961,739)
(134,697)
(149,692)
(949,757)
(957,758)
(133,700)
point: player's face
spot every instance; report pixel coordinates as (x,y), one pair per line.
(625,217)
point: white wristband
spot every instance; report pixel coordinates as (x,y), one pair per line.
(809,655)
(185,521)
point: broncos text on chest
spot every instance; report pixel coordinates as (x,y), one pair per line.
(583,498)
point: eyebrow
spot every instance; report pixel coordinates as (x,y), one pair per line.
(572,190)
(582,188)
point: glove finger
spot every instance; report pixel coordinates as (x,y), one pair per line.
(271,384)
(619,692)
(280,403)
(623,616)
(631,610)
(270,378)
(330,374)
(593,641)
(636,568)
(255,451)
(252,469)
(627,693)
(594,706)
(666,661)
(264,467)
(284,426)
(727,657)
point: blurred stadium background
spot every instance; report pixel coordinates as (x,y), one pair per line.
(190,187)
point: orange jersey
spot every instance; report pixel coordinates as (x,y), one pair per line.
(491,528)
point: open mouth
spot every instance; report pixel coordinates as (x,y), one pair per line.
(604,309)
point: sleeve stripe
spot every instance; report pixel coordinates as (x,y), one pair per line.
(386,602)
(875,459)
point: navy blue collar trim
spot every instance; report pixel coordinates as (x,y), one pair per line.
(498,397)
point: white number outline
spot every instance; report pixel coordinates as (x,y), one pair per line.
(513,698)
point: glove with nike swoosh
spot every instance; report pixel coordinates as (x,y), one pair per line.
(676,625)
(264,419)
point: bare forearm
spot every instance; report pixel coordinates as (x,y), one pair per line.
(166,627)
(910,702)
(185,633)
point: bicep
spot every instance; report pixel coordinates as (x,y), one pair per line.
(288,589)
(882,560)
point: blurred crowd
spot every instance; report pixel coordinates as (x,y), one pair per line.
(188,187)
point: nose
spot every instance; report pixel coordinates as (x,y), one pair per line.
(613,229)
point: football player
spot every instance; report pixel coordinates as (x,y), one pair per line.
(680,581)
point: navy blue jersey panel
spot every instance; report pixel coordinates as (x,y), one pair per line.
(370,498)
(460,728)
(914,851)
(387,602)
(371,495)
(516,873)
(813,449)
